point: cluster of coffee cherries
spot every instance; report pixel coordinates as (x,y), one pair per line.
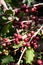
(16,38)
(5,42)
(25,38)
(25,9)
(31,10)
(34,42)
(22,25)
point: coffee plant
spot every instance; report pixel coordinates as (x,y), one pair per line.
(21,32)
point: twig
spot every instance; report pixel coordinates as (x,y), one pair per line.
(2,2)
(39,4)
(36,33)
(18,63)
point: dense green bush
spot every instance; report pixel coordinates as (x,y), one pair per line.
(21,32)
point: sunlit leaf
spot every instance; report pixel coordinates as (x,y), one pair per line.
(29,55)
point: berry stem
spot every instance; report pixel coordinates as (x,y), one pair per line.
(38,4)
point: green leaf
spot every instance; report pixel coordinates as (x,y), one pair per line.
(7,59)
(41,37)
(9,1)
(20,14)
(4,18)
(9,12)
(6,28)
(30,1)
(1,12)
(0,48)
(15,2)
(39,34)
(21,61)
(29,55)
(24,1)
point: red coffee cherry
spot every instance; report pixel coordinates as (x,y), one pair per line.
(39,61)
(28,44)
(24,44)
